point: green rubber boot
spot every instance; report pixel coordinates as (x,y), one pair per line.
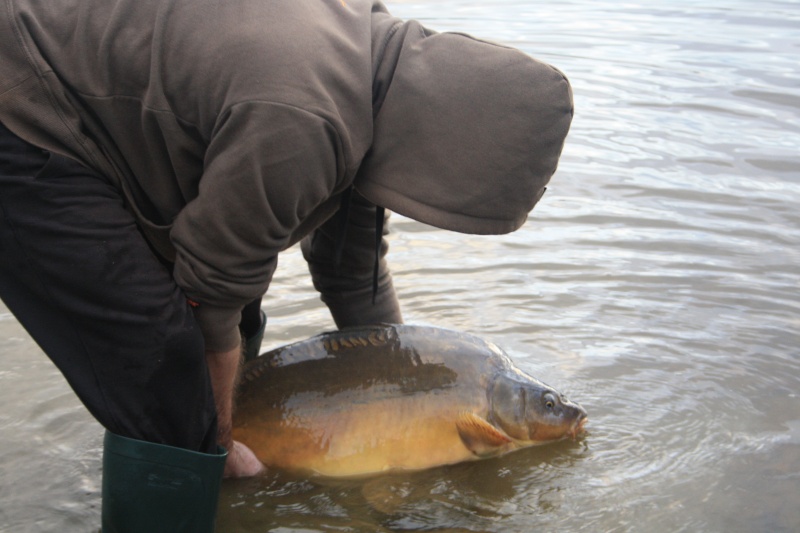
(153,488)
(252,345)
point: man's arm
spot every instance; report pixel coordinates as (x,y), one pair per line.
(223,368)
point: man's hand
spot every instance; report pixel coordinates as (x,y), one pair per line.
(223,368)
(242,462)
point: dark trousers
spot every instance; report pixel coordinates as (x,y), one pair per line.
(82,280)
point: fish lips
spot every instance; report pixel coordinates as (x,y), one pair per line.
(579,425)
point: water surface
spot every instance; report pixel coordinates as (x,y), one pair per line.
(656,283)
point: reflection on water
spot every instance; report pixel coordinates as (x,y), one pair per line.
(493,495)
(656,283)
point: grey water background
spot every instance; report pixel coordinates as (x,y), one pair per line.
(656,283)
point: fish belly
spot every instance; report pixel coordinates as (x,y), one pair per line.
(356,440)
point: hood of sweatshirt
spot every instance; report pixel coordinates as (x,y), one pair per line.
(467,133)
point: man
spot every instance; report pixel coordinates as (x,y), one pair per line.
(156,157)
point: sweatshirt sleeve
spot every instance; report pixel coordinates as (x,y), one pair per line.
(266,168)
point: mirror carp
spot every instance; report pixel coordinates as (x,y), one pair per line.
(393,397)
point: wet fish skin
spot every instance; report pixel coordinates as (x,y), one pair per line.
(393,397)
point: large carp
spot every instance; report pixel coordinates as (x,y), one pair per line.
(393,397)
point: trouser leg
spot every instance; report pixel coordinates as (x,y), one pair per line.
(79,276)
(252,326)
(346,285)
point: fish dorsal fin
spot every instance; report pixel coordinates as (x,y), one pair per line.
(479,436)
(255,369)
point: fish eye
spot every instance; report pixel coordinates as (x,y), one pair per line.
(549,401)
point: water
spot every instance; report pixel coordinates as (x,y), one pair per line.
(657,283)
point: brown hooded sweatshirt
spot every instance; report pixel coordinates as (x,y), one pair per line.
(233,126)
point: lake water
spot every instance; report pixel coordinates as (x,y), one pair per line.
(657,283)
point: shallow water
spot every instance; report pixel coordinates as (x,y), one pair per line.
(656,283)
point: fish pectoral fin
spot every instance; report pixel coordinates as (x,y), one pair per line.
(479,436)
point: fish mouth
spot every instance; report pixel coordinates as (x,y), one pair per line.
(578,427)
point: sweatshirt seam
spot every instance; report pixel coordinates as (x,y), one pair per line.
(339,144)
(19,84)
(139,100)
(389,34)
(227,110)
(40,74)
(224,112)
(21,40)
